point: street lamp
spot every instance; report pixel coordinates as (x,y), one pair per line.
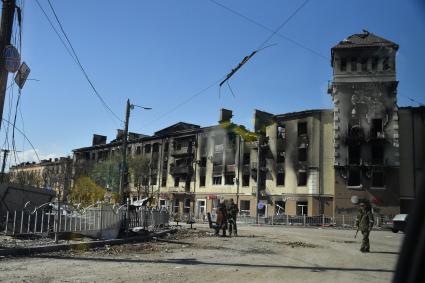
(123,173)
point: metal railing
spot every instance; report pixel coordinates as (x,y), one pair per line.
(93,219)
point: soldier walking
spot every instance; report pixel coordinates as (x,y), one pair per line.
(232,212)
(364,223)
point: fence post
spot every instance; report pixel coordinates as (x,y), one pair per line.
(377,221)
(304,219)
(343,220)
(22,222)
(287,219)
(14,222)
(7,222)
(323,220)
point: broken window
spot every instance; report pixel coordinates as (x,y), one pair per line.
(281,132)
(302,178)
(186,203)
(386,64)
(378,179)
(153,179)
(376,130)
(245,206)
(176,181)
(229,179)
(230,157)
(155,147)
(280,207)
(302,208)
(147,148)
(203,162)
(364,64)
(280,157)
(218,158)
(343,66)
(354,152)
(138,150)
(164,181)
(246,158)
(166,146)
(216,180)
(354,64)
(280,179)
(354,177)
(377,154)
(164,165)
(375,63)
(245,180)
(302,128)
(202,179)
(302,154)
(176,205)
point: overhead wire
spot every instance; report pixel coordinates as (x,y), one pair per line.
(75,57)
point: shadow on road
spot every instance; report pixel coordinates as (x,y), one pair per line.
(391,253)
(194,261)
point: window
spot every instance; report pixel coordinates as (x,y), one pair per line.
(377,154)
(376,130)
(178,146)
(145,181)
(164,181)
(354,64)
(153,179)
(216,180)
(229,179)
(245,180)
(281,132)
(155,147)
(302,128)
(138,150)
(203,162)
(218,158)
(378,179)
(302,208)
(354,177)
(302,178)
(302,154)
(245,206)
(354,154)
(147,148)
(280,157)
(386,64)
(364,64)
(164,165)
(176,181)
(280,179)
(280,207)
(375,63)
(186,208)
(202,180)
(162,203)
(166,146)
(175,205)
(230,157)
(246,158)
(343,64)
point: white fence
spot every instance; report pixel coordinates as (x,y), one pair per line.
(90,220)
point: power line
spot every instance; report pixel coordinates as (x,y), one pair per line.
(74,55)
(270,30)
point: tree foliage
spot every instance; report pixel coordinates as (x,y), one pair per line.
(107,173)
(139,172)
(240,130)
(86,192)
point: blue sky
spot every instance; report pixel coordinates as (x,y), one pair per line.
(160,53)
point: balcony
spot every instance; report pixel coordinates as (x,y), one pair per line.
(184,150)
(183,169)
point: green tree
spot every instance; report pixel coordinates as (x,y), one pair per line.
(139,172)
(107,173)
(86,192)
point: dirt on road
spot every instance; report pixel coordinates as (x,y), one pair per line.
(259,254)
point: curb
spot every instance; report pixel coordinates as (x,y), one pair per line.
(80,246)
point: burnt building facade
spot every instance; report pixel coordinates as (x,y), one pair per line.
(366,122)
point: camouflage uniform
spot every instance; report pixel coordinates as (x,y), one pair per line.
(232,212)
(364,223)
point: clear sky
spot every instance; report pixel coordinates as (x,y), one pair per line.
(160,53)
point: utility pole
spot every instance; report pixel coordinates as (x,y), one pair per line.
(124,169)
(239,171)
(3,166)
(258,179)
(8,13)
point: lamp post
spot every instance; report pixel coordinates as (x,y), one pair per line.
(124,169)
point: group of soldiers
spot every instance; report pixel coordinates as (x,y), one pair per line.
(227,214)
(226,218)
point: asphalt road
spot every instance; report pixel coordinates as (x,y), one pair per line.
(259,254)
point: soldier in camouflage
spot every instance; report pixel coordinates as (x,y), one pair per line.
(232,212)
(364,223)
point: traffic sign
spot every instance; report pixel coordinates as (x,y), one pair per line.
(260,205)
(12,59)
(22,75)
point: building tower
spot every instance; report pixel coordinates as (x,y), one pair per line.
(366,141)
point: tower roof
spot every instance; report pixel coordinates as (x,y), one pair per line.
(365,39)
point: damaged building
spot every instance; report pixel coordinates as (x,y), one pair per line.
(312,162)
